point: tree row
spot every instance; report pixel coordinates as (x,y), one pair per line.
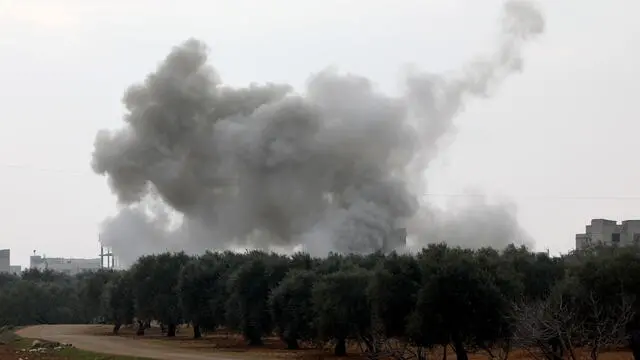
(392,305)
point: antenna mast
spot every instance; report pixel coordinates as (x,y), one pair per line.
(105,252)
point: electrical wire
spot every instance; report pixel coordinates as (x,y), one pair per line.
(41,169)
(427,195)
(537,197)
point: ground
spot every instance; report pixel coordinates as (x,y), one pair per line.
(13,347)
(217,346)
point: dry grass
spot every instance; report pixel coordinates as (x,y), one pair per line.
(13,347)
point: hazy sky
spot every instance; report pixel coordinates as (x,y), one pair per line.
(558,139)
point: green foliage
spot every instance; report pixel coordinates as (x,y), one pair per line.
(7,279)
(248,289)
(40,298)
(392,292)
(202,291)
(459,300)
(291,307)
(341,304)
(537,271)
(91,287)
(469,299)
(118,300)
(155,290)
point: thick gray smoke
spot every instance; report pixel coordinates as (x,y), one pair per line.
(337,168)
(471,221)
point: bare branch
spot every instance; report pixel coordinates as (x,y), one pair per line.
(553,327)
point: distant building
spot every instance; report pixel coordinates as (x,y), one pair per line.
(15,269)
(397,240)
(5,261)
(609,233)
(68,266)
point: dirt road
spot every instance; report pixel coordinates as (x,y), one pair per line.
(77,336)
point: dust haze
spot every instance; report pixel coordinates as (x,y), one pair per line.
(339,166)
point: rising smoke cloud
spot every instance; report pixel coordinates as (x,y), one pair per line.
(336,168)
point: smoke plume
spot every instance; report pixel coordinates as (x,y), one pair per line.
(338,167)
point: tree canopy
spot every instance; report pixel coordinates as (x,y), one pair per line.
(469,300)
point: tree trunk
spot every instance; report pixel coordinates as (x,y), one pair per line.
(556,348)
(461,352)
(341,347)
(253,336)
(634,344)
(171,331)
(444,352)
(594,353)
(162,328)
(197,334)
(116,328)
(292,343)
(141,327)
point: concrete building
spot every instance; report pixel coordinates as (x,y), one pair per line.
(608,233)
(68,266)
(5,261)
(397,240)
(15,269)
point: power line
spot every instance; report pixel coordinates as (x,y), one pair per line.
(440,195)
(52,170)
(541,197)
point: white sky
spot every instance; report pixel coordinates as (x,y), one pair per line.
(553,139)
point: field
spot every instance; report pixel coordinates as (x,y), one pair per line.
(219,345)
(230,345)
(13,347)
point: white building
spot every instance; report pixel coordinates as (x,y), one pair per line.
(609,232)
(5,261)
(68,266)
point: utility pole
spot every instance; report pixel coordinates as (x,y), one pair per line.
(106,253)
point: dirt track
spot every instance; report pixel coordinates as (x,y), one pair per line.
(77,336)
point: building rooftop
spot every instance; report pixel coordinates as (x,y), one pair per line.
(609,232)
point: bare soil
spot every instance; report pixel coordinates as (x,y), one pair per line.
(80,336)
(219,345)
